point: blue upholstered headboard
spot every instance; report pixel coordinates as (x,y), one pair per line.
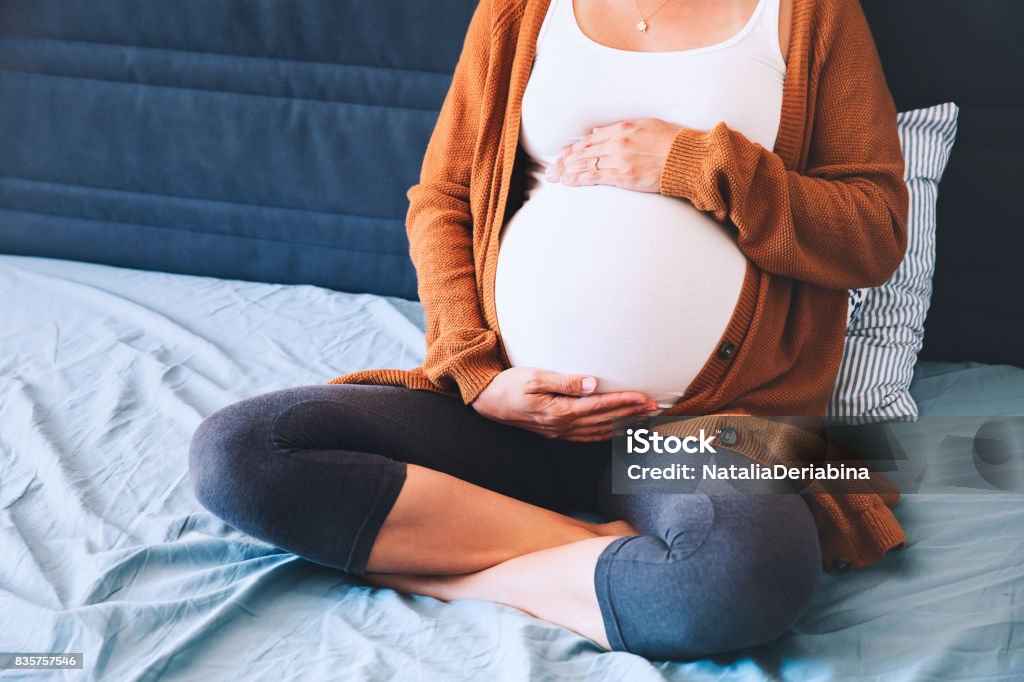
(269,140)
(274,140)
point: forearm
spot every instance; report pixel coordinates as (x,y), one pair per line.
(839,219)
(841,228)
(460,347)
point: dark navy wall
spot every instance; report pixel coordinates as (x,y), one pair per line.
(970,52)
(250,139)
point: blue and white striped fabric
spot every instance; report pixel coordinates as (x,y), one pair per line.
(885,324)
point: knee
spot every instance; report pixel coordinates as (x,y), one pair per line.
(769,570)
(769,593)
(221,458)
(747,583)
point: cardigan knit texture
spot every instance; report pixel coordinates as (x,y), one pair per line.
(823,212)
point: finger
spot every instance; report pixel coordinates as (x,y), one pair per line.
(604,433)
(544,381)
(588,438)
(579,163)
(582,155)
(579,143)
(603,133)
(605,417)
(578,146)
(598,412)
(579,157)
(550,432)
(579,169)
(602,402)
(602,176)
(556,168)
(618,424)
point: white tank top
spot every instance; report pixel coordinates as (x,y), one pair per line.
(634,288)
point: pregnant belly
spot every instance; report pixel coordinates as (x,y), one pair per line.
(634,288)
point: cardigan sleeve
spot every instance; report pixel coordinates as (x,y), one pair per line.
(842,223)
(461,350)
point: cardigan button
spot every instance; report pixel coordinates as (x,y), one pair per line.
(728,436)
(725,350)
(841,563)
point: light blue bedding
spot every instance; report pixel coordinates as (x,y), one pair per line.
(104,374)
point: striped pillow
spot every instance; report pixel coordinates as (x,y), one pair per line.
(885,324)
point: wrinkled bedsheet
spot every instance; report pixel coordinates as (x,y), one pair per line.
(104,374)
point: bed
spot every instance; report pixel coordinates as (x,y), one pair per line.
(103,549)
(144,283)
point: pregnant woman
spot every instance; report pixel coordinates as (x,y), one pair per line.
(625,208)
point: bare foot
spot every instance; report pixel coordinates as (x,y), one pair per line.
(555,585)
(617,528)
(551,584)
(443,587)
(447,587)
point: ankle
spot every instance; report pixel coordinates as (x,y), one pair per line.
(620,527)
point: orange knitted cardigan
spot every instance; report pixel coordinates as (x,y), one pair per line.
(823,212)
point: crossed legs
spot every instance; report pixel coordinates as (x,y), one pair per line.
(419,492)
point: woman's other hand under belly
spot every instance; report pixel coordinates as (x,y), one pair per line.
(558,405)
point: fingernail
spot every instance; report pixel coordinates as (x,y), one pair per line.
(589,383)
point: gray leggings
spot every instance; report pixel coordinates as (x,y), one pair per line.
(316,469)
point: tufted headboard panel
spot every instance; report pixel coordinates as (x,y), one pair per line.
(253,139)
(274,140)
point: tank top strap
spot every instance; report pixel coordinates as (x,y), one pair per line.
(766,27)
(554,20)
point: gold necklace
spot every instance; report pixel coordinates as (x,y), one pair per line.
(642,24)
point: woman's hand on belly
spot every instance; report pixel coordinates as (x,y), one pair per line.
(632,153)
(557,405)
